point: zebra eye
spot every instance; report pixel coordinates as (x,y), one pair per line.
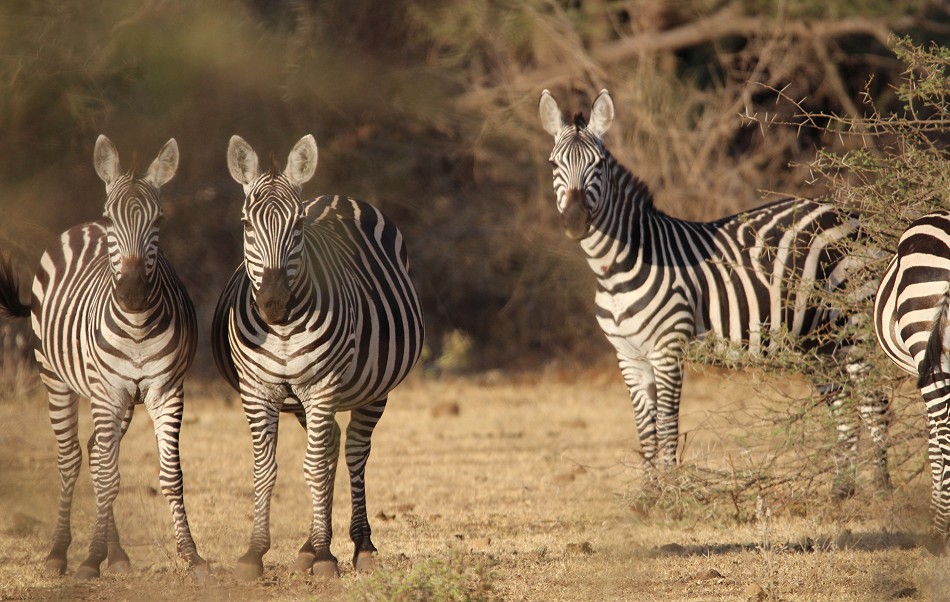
(247,226)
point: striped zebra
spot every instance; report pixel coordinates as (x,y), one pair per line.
(114,324)
(911,314)
(320,318)
(748,280)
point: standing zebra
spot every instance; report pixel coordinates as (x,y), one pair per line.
(320,318)
(661,282)
(114,324)
(911,314)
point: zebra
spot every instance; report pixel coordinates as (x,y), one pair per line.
(662,282)
(112,323)
(320,318)
(911,310)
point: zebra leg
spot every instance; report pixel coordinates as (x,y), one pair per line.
(303,563)
(63,408)
(107,432)
(362,422)
(668,372)
(639,378)
(936,395)
(118,560)
(262,418)
(845,451)
(874,409)
(166,420)
(319,466)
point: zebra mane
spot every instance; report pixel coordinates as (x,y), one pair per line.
(579,121)
(274,166)
(133,165)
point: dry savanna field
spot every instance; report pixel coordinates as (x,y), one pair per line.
(487,487)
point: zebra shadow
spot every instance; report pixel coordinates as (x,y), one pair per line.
(869,541)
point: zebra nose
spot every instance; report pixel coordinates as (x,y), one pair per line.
(273,296)
(131,290)
(575,218)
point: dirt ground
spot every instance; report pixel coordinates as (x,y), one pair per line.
(497,487)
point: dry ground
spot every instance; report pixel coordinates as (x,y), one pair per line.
(512,488)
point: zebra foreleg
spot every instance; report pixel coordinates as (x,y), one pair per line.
(118,560)
(358,433)
(166,419)
(319,466)
(63,408)
(638,376)
(107,432)
(262,419)
(936,395)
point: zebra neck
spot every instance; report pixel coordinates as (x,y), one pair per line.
(139,321)
(624,217)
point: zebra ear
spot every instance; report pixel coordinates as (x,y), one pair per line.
(106,160)
(242,162)
(601,114)
(302,162)
(164,166)
(551,119)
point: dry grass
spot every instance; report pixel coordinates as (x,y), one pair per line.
(490,487)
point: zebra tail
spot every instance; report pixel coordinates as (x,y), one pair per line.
(10,304)
(931,362)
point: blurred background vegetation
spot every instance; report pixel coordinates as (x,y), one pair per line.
(429,110)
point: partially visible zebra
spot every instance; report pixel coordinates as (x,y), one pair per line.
(911,313)
(748,279)
(114,324)
(320,318)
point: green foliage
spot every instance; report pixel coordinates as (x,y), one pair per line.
(457,578)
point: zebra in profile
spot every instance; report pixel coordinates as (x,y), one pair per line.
(113,323)
(320,318)
(911,312)
(662,282)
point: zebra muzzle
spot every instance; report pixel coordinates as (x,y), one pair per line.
(273,298)
(575,218)
(131,291)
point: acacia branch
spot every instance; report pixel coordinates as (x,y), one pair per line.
(728,22)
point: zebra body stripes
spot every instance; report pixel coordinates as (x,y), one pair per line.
(661,282)
(113,323)
(321,318)
(911,314)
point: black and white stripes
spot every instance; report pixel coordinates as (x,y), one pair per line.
(321,318)
(114,324)
(911,314)
(749,280)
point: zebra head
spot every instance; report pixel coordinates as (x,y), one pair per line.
(133,216)
(273,223)
(578,160)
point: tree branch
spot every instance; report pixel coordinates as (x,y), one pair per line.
(730,21)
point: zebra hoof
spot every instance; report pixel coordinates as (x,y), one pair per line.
(326,569)
(303,563)
(936,544)
(201,570)
(87,572)
(54,567)
(365,563)
(248,570)
(119,566)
